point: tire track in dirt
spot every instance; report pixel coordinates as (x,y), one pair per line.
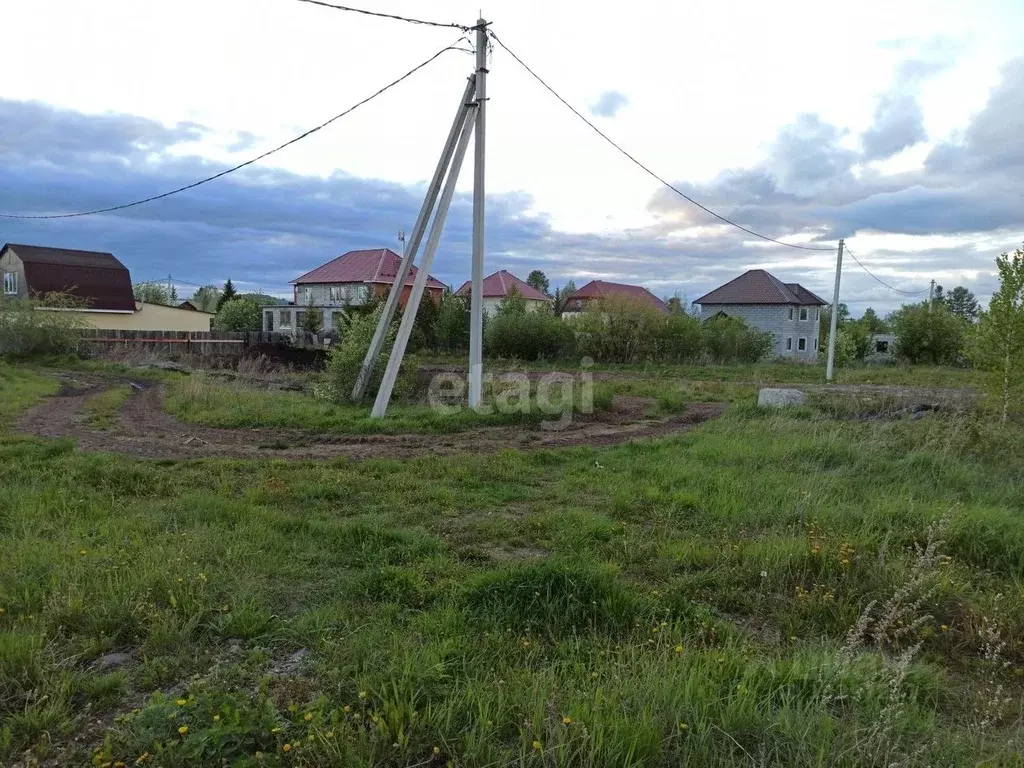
(146,430)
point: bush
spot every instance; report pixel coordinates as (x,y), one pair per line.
(729,339)
(238,315)
(528,336)
(346,360)
(933,337)
(451,325)
(31,327)
(618,329)
(681,339)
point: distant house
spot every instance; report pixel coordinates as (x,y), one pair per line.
(499,285)
(786,310)
(351,279)
(98,280)
(599,289)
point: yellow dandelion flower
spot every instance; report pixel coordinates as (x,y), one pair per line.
(566,720)
(308,716)
(286,747)
(275,730)
(142,758)
(362,694)
(183,730)
(944,628)
(683,727)
(258,755)
(536,744)
(83,551)
(329,735)
(347,708)
(679,649)
(437,750)
(181,702)
(216,718)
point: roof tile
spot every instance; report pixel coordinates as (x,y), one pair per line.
(379,265)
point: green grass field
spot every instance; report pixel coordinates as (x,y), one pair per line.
(682,601)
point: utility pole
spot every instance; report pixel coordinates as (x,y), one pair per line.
(834,319)
(169,289)
(931,296)
(387,384)
(401,239)
(476,318)
(409,254)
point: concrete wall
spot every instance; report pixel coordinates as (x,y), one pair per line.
(332,294)
(11,263)
(775,318)
(147,317)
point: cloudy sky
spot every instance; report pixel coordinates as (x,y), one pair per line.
(897,125)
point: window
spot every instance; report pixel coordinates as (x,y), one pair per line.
(790,313)
(803,313)
(815,316)
(285,318)
(335,292)
(882,347)
(815,343)
(270,320)
(300,319)
(789,342)
(801,344)
(10,283)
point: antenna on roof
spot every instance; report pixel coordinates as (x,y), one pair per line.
(401,239)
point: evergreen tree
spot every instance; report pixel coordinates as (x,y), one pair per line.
(226,295)
(962,302)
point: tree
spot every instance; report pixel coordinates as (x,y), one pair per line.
(872,322)
(226,295)
(825,319)
(207,298)
(312,320)
(539,281)
(155,293)
(676,305)
(513,303)
(999,346)
(962,302)
(451,328)
(934,337)
(562,295)
(238,315)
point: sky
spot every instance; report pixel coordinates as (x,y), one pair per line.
(898,126)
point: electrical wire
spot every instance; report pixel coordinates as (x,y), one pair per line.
(238,167)
(388,15)
(876,277)
(643,167)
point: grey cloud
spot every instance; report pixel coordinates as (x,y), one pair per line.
(898,124)
(33,129)
(609,103)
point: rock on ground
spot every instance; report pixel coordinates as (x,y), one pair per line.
(776,398)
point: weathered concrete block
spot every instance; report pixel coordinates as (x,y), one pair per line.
(777,398)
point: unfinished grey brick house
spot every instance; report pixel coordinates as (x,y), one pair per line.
(788,311)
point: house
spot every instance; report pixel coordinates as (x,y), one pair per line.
(786,310)
(499,285)
(599,289)
(98,280)
(353,278)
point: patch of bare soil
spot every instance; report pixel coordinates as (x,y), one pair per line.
(146,430)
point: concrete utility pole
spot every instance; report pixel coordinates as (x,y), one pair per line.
(476,317)
(169,287)
(931,295)
(833,321)
(409,253)
(387,384)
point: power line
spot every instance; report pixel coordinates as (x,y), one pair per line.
(388,15)
(256,159)
(643,167)
(876,277)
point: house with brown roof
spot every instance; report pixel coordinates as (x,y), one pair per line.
(599,289)
(352,279)
(788,311)
(499,285)
(99,282)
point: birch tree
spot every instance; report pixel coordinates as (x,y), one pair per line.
(1000,342)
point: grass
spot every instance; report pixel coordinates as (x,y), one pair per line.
(673,602)
(203,400)
(101,409)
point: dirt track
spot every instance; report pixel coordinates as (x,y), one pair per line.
(144,429)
